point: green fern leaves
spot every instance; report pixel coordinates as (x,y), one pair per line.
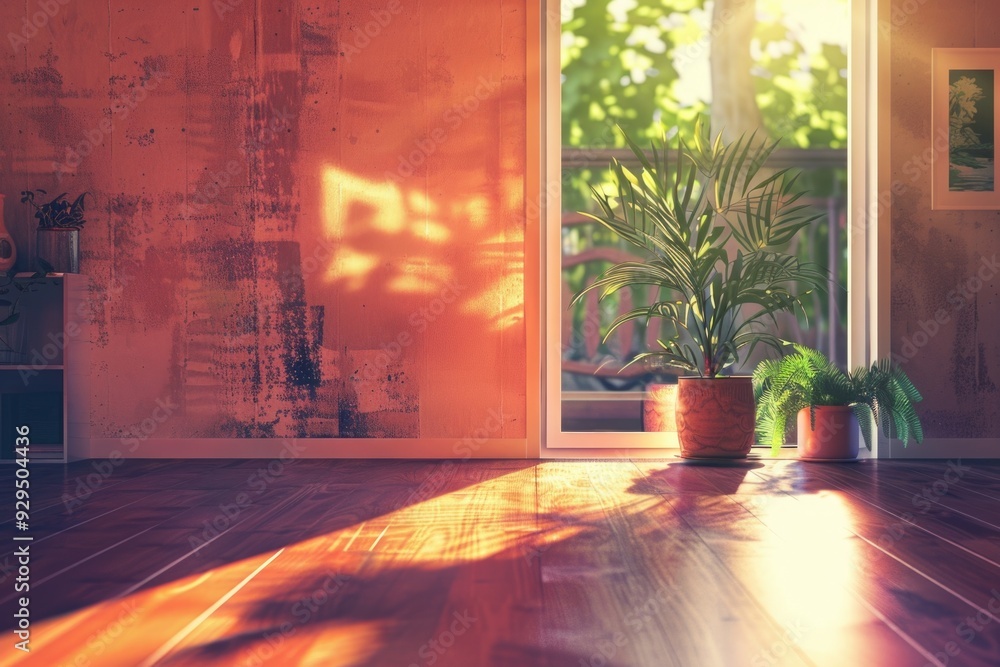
(881,394)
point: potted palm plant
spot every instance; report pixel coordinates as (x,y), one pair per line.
(58,235)
(714,228)
(829,405)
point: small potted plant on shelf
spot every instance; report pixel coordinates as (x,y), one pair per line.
(58,236)
(829,405)
(715,230)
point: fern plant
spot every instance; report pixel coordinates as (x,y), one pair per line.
(881,393)
(714,229)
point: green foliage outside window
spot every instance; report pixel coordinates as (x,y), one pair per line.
(642,65)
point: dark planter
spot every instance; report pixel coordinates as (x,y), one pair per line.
(60,247)
(833,437)
(715,417)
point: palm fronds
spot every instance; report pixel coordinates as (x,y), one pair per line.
(689,209)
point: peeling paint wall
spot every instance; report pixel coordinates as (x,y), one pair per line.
(945,307)
(309,215)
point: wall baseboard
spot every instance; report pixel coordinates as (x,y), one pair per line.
(446,448)
(945,448)
(308,448)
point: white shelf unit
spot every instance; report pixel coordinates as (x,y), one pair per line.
(46,388)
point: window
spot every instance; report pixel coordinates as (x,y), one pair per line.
(646,65)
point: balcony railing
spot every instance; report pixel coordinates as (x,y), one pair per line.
(801,158)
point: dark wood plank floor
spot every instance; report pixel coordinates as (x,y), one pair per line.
(653,563)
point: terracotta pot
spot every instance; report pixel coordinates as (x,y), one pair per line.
(715,417)
(659,408)
(834,437)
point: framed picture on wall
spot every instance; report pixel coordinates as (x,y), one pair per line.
(964,122)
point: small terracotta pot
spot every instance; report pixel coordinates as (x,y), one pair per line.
(659,408)
(834,437)
(715,417)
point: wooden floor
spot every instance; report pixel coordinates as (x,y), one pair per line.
(511,563)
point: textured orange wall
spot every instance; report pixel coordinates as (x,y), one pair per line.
(937,256)
(309,215)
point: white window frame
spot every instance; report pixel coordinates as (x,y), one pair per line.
(868,229)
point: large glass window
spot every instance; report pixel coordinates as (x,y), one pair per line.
(651,66)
